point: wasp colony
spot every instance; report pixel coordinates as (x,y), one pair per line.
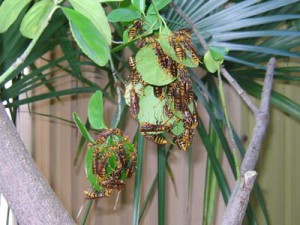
(109,162)
(159,92)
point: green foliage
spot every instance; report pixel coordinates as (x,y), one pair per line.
(252,31)
(149,68)
(124,15)
(9,11)
(88,37)
(82,128)
(96,14)
(139,4)
(36,19)
(159,5)
(95,111)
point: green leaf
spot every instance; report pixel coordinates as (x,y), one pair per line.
(82,128)
(211,185)
(88,37)
(95,111)
(151,22)
(218,53)
(139,4)
(138,180)
(9,11)
(109,1)
(211,64)
(112,163)
(96,14)
(161,183)
(123,15)
(150,69)
(151,108)
(163,40)
(159,4)
(36,19)
(89,158)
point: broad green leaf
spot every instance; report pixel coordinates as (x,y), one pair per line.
(123,15)
(151,71)
(88,37)
(151,22)
(211,64)
(125,36)
(82,128)
(9,11)
(89,158)
(112,163)
(95,111)
(139,4)
(151,108)
(36,19)
(96,14)
(163,40)
(159,4)
(218,53)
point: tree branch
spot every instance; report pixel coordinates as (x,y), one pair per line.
(240,91)
(239,198)
(235,213)
(23,186)
(261,121)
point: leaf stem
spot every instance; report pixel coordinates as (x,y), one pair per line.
(232,141)
(160,19)
(119,94)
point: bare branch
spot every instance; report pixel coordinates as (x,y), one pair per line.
(237,204)
(261,121)
(239,198)
(240,91)
(234,215)
(23,186)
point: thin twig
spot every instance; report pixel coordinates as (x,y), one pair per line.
(240,91)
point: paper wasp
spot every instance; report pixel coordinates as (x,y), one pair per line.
(135,29)
(157,138)
(134,107)
(149,127)
(94,194)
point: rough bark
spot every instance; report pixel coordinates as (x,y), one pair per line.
(22,184)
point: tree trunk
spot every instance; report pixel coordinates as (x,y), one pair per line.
(22,184)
